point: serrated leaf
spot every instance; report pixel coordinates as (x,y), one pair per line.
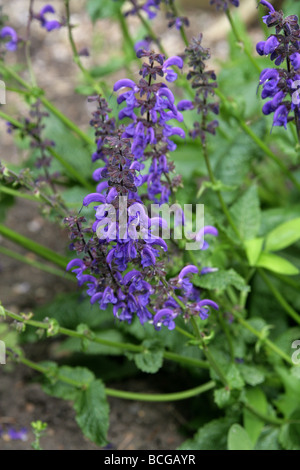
(283,236)
(211,436)
(220,280)
(151,359)
(253,249)
(246,214)
(61,389)
(222,397)
(252,375)
(92,412)
(253,425)
(238,438)
(289,436)
(276,264)
(268,440)
(234,377)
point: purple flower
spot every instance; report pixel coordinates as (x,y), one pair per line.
(49,25)
(11,33)
(164,317)
(203,308)
(171,76)
(21,435)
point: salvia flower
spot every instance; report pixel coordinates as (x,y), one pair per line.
(43,18)
(121,264)
(280,84)
(9,33)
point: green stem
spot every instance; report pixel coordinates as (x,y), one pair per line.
(241,42)
(264,418)
(115,344)
(76,56)
(288,309)
(36,264)
(208,354)
(16,193)
(268,343)
(159,397)
(35,247)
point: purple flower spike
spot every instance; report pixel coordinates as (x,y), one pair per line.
(10,32)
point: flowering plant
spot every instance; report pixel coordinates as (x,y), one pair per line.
(175,199)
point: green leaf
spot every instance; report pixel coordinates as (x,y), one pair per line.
(252,375)
(98,9)
(277,264)
(222,397)
(211,436)
(289,436)
(268,440)
(253,425)
(151,359)
(92,412)
(220,280)
(234,377)
(246,214)
(253,249)
(238,438)
(284,235)
(66,391)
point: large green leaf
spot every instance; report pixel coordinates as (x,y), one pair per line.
(284,235)
(253,425)
(246,214)
(289,436)
(92,412)
(211,436)
(238,438)
(277,264)
(151,359)
(220,280)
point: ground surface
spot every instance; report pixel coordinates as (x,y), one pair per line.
(134,425)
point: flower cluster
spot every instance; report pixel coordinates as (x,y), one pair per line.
(204,82)
(150,105)
(280,84)
(123,262)
(223,4)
